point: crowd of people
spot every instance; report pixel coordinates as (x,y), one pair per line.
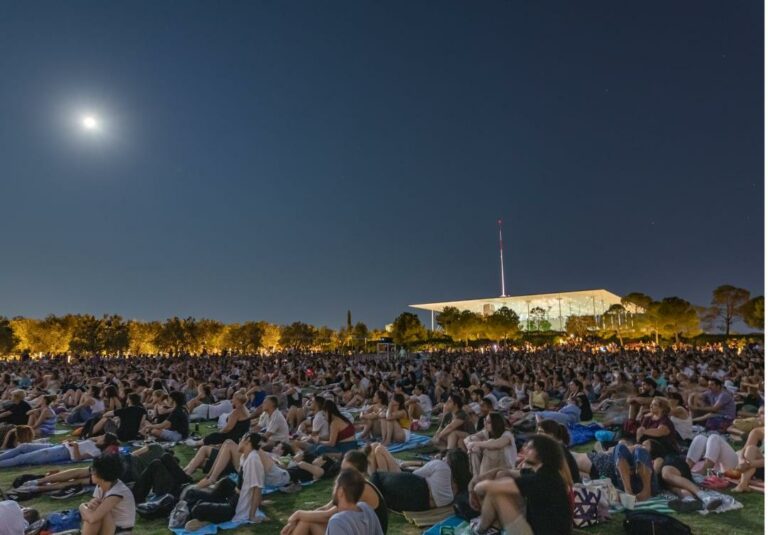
(499,453)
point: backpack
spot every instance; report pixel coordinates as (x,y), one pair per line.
(653,523)
(63,520)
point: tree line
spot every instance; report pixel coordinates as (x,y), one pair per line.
(111,334)
(637,317)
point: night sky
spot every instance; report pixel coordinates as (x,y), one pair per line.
(292,160)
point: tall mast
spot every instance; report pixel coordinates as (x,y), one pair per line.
(501,261)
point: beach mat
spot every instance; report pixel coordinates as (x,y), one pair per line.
(414,442)
(425,519)
(271,490)
(452,522)
(210,529)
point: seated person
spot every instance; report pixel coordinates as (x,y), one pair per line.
(341,433)
(74,451)
(238,422)
(751,460)
(43,420)
(396,424)
(175,427)
(629,467)
(455,425)
(228,500)
(352,515)
(493,447)
(16,519)
(17,435)
(308,522)
(657,426)
(112,509)
(433,485)
(16,412)
(718,406)
(276,427)
(372,415)
(534,500)
(127,420)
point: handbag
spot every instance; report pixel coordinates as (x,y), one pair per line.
(586,505)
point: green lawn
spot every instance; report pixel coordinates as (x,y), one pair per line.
(746,521)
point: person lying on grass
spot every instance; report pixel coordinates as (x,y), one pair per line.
(69,451)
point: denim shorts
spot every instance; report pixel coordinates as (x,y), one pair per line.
(169,435)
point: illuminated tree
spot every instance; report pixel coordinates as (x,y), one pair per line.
(408,330)
(727,303)
(245,339)
(753,312)
(677,318)
(503,324)
(298,335)
(580,326)
(142,336)
(8,339)
(270,336)
(113,335)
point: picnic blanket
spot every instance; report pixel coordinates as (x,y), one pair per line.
(213,528)
(581,434)
(424,519)
(452,521)
(659,504)
(414,442)
(270,490)
(729,502)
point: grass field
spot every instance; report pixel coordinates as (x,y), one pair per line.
(746,521)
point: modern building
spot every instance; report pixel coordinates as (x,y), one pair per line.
(557,307)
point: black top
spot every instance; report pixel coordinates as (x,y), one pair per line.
(381,511)
(130,419)
(18,414)
(586,409)
(573,468)
(179,419)
(548,509)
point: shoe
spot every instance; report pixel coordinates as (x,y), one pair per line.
(686,505)
(159,508)
(291,488)
(36,527)
(710,504)
(194,525)
(63,494)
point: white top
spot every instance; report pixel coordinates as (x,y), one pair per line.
(684,428)
(124,512)
(13,519)
(88,449)
(278,427)
(98,406)
(510,451)
(320,425)
(253,476)
(438,476)
(426,403)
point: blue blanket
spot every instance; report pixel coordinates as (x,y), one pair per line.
(581,434)
(451,521)
(413,442)
(213,528)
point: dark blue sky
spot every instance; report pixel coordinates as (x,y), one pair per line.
(292,160)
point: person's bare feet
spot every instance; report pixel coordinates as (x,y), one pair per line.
(740,489)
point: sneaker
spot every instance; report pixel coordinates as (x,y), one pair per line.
(291,488)
(69,492)
(710,504)
(685,505)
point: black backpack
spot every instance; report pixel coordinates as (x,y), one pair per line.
(653,523)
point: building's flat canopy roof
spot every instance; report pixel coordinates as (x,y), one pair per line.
(581,300)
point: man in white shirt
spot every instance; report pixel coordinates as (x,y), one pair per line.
(277,427)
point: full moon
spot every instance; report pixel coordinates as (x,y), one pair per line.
(89,122)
